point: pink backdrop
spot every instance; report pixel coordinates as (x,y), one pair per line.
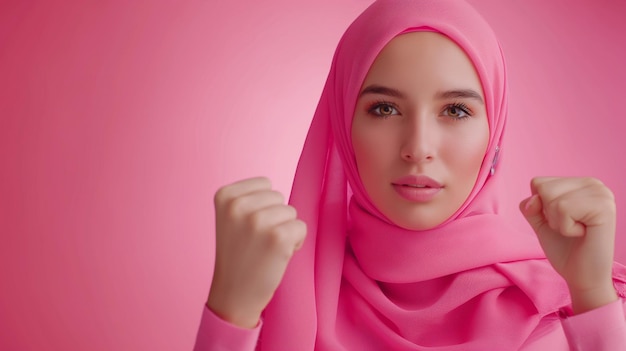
(119,121)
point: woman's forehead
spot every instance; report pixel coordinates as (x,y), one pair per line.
(422,60)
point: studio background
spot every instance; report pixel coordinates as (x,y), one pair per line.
(119,120)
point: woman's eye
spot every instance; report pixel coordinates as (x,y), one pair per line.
(384,110)
(457,111)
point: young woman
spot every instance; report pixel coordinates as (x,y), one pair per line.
(397,243)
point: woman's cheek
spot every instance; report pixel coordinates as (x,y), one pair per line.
(476,153)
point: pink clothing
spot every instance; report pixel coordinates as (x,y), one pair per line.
(598,330)
(362,283)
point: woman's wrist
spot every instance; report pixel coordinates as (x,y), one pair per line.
(232,311)
(239,319)
(584,300)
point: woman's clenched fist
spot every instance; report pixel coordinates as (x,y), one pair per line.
(256,236)
(575,221)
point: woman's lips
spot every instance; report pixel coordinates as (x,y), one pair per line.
(417,188)
(417,180)
(416,194)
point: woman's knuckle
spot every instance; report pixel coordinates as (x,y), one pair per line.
(291,212)
(221,195)
(591,181)
(608,193)
(237,207)
(610,205)
(562,205)
(263,181)
(301,225)
(543,189)
(277,237)
(256,220)
(278,195)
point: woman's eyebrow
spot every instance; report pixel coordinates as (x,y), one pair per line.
(460,93)
(448,94)
(379,89)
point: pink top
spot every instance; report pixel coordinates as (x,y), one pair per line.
(360,282)
(601,329)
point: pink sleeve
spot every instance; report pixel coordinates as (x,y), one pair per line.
(601,329)
(215,334)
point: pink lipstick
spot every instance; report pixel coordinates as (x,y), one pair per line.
(417,188)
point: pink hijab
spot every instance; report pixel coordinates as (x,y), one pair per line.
(361,282)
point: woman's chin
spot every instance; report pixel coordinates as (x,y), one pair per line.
(417,223)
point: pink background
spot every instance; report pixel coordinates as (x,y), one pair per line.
(119,121)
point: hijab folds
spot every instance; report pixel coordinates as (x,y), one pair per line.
(361,282)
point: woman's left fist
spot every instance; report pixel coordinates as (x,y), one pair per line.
(575,222)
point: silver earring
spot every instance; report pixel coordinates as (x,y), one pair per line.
(495,160)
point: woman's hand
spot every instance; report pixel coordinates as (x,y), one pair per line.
(256,235)
(574,219)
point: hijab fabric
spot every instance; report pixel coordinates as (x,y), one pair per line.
(361,282)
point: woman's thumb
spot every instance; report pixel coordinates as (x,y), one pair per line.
(532,209)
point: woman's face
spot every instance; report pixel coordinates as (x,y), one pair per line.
(420,112)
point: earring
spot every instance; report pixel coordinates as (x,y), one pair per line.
(495,160)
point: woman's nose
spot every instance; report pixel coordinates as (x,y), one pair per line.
(419,139)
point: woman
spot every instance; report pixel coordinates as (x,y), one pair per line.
(398,238)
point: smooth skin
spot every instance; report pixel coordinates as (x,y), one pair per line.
(257,233)
(575,221)
(417,125)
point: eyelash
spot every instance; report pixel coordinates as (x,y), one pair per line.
(463,107)
(458,105)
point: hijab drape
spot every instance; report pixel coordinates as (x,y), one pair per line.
(361,282)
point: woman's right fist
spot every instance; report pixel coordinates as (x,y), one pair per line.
(256,235)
